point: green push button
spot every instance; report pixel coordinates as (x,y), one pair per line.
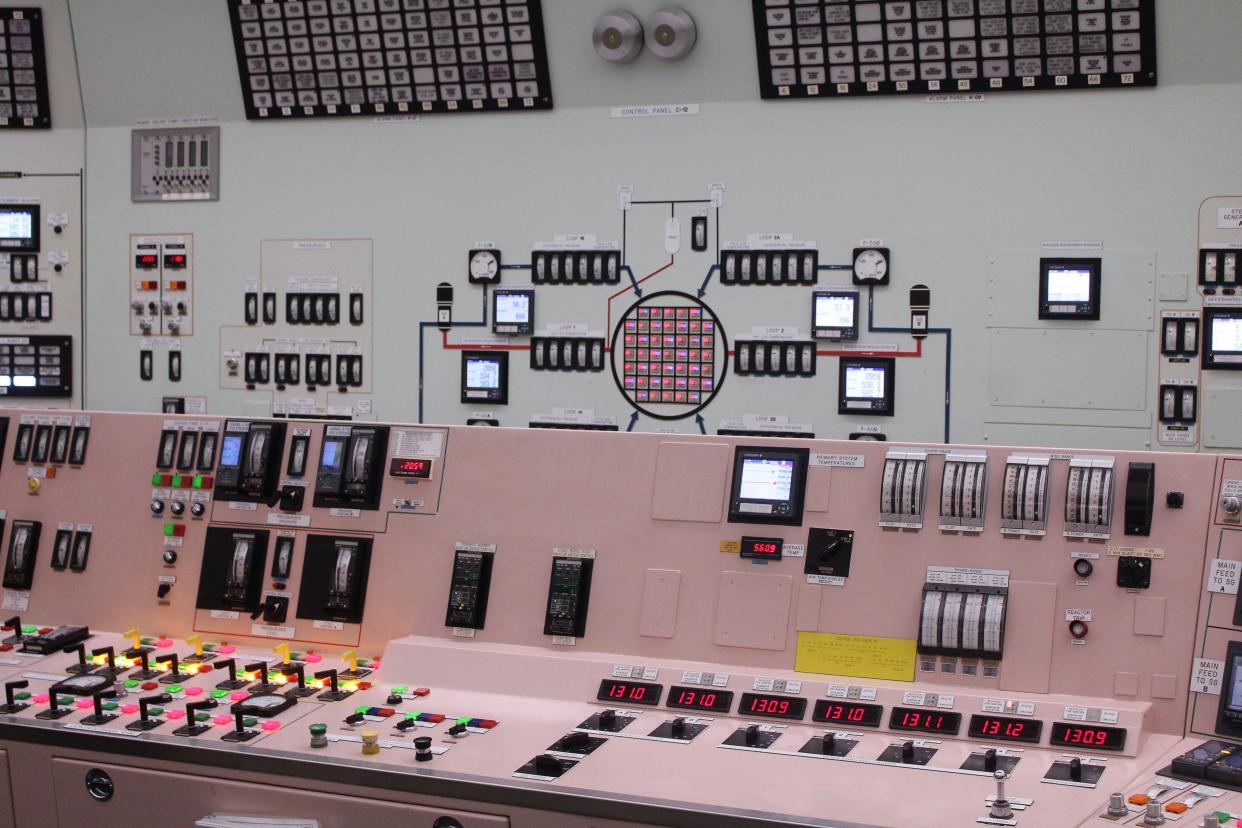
(318,729)
(463,721)
(209,648)
(168,530)
(155,711)
(155,479)
(249,722)
(29,629)
(177,480)
(110,706)
(22,696)
(198,481)
(362,709)
(219,694)
(202,717)
(400,690)
(130,684)
(64,701)
(174,689)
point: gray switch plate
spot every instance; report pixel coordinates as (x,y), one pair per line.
(167,164)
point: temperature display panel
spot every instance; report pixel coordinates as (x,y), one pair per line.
(630,692)
(848,713)
(1005,729)
(764,549)
(1069,734)
(769,485)
(698,698)
(771,706)
(925,721)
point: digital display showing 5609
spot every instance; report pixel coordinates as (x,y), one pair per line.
(629,692)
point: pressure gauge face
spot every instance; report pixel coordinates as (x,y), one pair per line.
(871,266)
(484,267)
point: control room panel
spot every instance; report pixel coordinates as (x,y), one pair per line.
(309,589)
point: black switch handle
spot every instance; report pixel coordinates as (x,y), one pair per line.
(108,653)
(295,670)
(99,700)
(171,660)
(259,667)
(193,707)
(330,675)
(239,721)
(141,655)
(79,650)
(1075,770)
(10,687)
(989,760)
(14,624)
(229,664)
(162,698)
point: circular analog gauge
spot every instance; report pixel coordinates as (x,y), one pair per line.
(264,705)
(870,265)
(484,266)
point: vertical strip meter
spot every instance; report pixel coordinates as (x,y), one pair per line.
(902,489)
(963,621)
(1024,496)
(1089,497)
(963,492)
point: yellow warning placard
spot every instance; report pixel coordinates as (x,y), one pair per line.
(861,656)
(731,546)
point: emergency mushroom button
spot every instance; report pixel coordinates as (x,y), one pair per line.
(1078,629)
(319,735)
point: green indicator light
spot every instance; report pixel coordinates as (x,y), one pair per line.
(130,684)
(155,711)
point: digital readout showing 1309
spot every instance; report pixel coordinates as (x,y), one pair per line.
(629,692)
(775,707)
(1065,734)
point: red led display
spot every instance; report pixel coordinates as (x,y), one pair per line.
(147,261)
(1003,729)
(925,721)
(405,467)
(629,692)
(848,713)
(763,548)
(700,698)
(1065,734)
(774,707)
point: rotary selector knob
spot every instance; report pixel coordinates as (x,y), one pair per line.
(157,507)
(197,509)
(170,556)
(1231,505)
(177,507)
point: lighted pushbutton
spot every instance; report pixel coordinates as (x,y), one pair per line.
(1083,568)
(34,484)
(370,742)
(1139,799)
(174,530)
(1176,807)
(1078,629)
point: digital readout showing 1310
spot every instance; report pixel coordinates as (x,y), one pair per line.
(629,692)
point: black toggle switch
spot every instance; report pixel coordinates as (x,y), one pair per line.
(406,724)
(191,728)
(335,693)
(575,740)
(393,700)
(11,705)
(259,668)
(233,683)
(545,763)
(907,752)
(354,718)
(829,744)
(422,749)
(99,717)
(989,760)
(457,731)
(144,657)
(607,719)
(14,624)
(110,655)
(239,733)
(161,591)
(298,670)
(175,675)
(678,727)
(54,710)
(1075,769)
(83,666)
(145,722)
(752,735)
